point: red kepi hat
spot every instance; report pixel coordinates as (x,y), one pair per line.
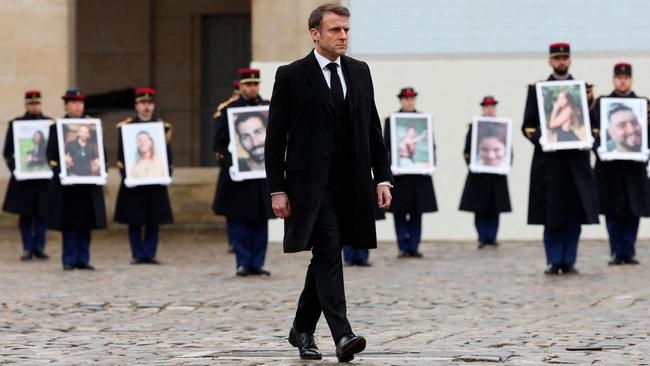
(489,100)
(32,96)
(623,68)
(144,94)
(407,92)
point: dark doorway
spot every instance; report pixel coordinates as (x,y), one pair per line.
(225,48)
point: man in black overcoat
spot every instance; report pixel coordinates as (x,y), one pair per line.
(413,194)
(623,185)
(245,204)
(324,146)
(144,208)
(28,198)
(563,193)
(485,194)
(76,209)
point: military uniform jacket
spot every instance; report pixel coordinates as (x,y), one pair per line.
(484,193)
(248,200)
(556,178)
(147,204)
(29,197)
(623,185)
(412,193)
(79,206)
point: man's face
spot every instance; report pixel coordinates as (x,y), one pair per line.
(560,64)
(626,131)
(407,103)
(33,108)
(250,90)
(489,110)
(622,83)
(145,109)
(83,134)
(332,37)
(74,108)
(252,135)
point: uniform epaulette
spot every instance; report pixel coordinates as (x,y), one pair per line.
(221,107)
(170,131)
(595,131)
(529,131)
(125,122)
(120,164)
(535,82)
(54,163)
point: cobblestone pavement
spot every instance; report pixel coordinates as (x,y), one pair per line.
(456,305)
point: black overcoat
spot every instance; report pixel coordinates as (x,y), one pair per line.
(28,197)
(484,193)
(299,144)
(623,185)
(147,204)
(412,193)
(557,178)
(79,206)
(248,200)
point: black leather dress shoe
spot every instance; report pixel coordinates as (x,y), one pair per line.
(616,261)
(553,269)
(482,245)
(137,261)
(85,267)
(259,272)
(348,346)
(152,261)
(305,344)
(27,256)
(243,271)
(416,254)
(403,254)
(363,264)
(39,254)
(631,260)
(68,267)
(569,269)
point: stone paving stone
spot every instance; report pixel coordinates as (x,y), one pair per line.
(457,305)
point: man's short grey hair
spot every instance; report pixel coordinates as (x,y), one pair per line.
(316,16)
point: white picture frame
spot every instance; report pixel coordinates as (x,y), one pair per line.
(571,111)
(91,164)
(415,156)
(30,156)
(491,145)
(247,142)
(145,170)
(635,108)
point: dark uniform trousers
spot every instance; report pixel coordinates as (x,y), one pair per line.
(622,232)
(352,255)
(487,227)
(408,229)
(143,246)
(249,241)
(561,243)
(76,246)
(32,231)
(324,287)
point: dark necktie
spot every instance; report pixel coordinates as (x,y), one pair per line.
(335,85)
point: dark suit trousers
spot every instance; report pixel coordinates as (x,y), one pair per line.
(324,291)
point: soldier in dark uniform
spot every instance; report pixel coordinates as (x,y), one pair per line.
(28,198)
(485,194)
(623,184)
(413,194)
(245,204)
(235,95)
(563,193)
(77,209)
(144,208)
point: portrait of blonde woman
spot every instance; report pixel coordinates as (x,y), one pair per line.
(147,163)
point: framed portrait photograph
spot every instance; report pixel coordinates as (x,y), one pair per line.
(247,128)
(623,129)
(81,151)
(491,149)
(563,115)
(145,154)
(412,143)
(30,141)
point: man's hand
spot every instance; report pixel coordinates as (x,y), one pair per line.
(383,196)
(280,205)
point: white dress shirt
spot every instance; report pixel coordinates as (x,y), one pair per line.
(323,62)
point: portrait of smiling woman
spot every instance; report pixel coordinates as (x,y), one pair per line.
(147,163)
